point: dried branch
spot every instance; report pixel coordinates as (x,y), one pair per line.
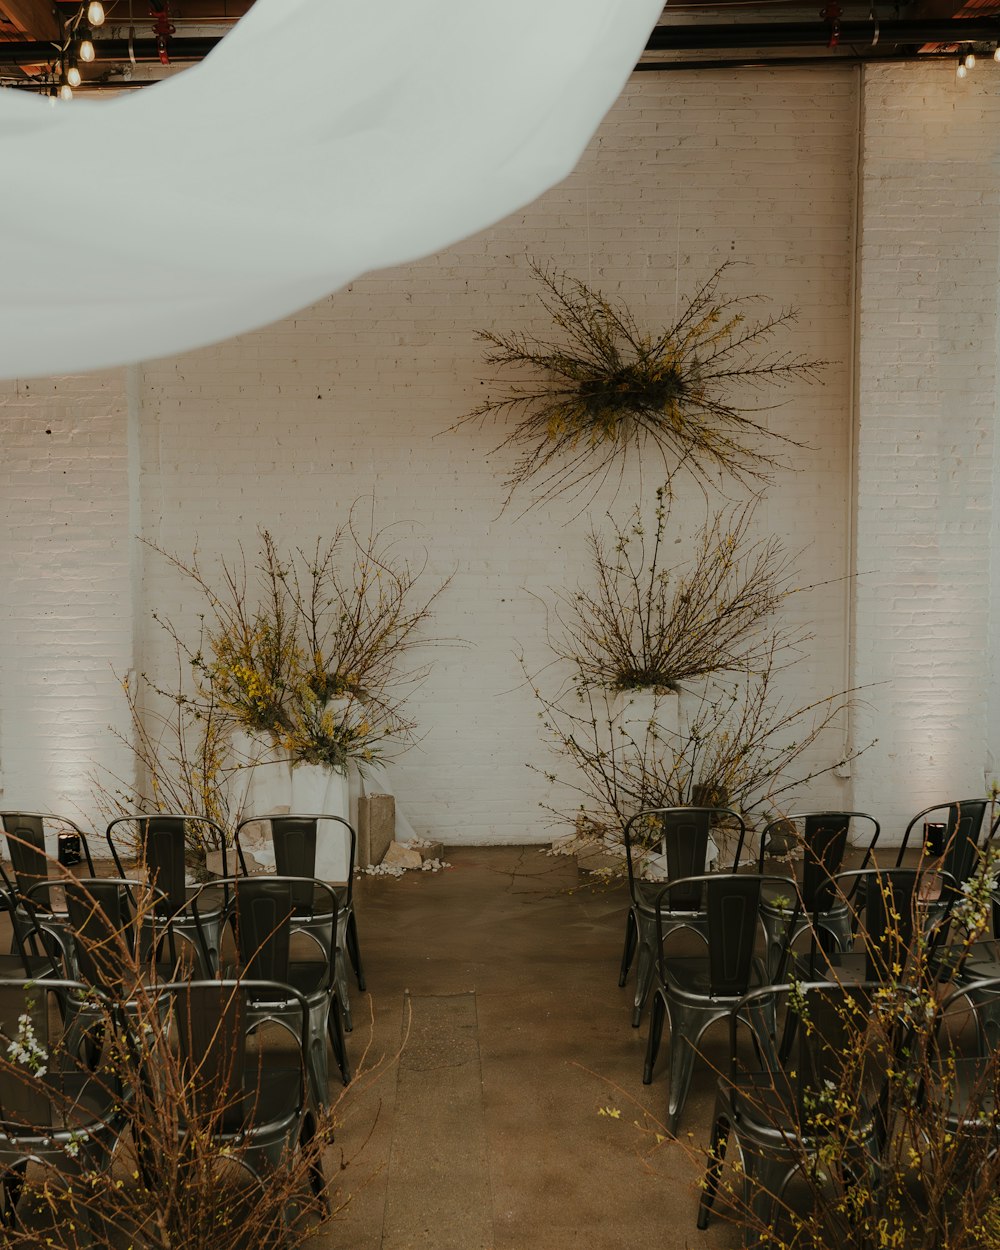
(610,388)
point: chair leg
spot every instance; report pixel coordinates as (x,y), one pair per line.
(656,1016)
(335,1031)
(310,1147)
(713,1173)
(628,953)
(644,969)
(684,1035)
(354,950)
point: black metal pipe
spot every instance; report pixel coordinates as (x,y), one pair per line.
(179,49)
(806,34)
(766,62)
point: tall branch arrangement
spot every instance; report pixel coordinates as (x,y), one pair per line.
(647,623)
(606,386)
(706,627)
(309,648)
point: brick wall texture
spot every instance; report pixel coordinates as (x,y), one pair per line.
(867,202)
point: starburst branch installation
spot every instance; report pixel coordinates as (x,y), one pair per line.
(611,387)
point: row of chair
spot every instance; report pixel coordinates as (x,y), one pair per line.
(127,939)
(683,836)
(750,922)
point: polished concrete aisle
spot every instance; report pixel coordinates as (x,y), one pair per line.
(501,1102)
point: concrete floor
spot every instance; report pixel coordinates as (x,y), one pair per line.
(513,1114)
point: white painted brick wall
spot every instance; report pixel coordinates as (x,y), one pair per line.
(64,565)
(285,427)
(926,514)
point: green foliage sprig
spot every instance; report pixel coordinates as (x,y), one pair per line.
(608,386)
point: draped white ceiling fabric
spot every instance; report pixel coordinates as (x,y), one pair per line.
(322,139)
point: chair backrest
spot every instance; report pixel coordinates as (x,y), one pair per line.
(35,1060)
(296,838)
(682,835)
(962,834)
(263,917)
(823,837)
(835,1047)
(102,920)
(887,909)
(161,840)
(211,1022)
(731,903)
(26,843)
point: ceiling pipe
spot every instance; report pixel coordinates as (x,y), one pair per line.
(766,62)
(194,49)
(817,34)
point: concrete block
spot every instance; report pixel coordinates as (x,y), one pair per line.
(400,856)
(376,827)
(434,851)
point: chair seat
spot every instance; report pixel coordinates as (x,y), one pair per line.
(771,907)
(270,1105)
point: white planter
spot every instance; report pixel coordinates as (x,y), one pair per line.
(269,781)
(317,788)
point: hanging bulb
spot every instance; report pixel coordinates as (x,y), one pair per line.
(970,60)
(961,72)
(996,53)
(73,76)
(95,13)
(65,91)
(86,46)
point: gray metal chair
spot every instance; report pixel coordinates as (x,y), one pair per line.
(693,992)
(264,913)
(253,1104)
(823,838)
(55,1110)
(160,841)
(25,834)
(295,838)
(818,1092)
(682,836)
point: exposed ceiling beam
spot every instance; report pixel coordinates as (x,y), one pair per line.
(35,19)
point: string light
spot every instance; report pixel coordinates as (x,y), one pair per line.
(970,59)
(961,72)
(86,48)
(95,13)
(65,91)
(73,75)
(996,53)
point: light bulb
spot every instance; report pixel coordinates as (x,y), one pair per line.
(73,76)
(85,49)
(996,53)
(95,13)
(961,71)
(970,60)
(65,91)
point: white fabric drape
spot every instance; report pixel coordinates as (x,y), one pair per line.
(322,139)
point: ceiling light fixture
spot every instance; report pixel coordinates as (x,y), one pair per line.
(95,13)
